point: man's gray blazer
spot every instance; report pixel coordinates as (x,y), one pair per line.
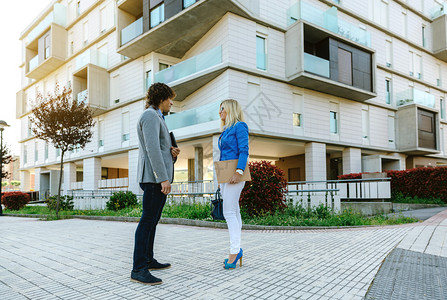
(155,162)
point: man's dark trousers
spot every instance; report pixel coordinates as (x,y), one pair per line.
(153,203)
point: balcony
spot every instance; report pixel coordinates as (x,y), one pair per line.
(415,96)
(319,60)
(177,33)
(57,16)
(193,117)
(92,56)
(438,10)
(417,130)
(91,86)
(328,20)
(21,106)
(47,52)
(439,36)
(193,73)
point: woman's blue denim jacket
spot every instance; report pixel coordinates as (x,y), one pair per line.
(233,144)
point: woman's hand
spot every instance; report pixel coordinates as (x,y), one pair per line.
(175,151)
(235,178)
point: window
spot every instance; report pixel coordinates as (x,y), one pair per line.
(148,79)
(424,42)
(404,24)
(365,123)
(103,19)
(336,1)
(78,8)
(187,3)
(261,53)
(391,125)
(36,152)
(100,133)
(388,91)
(380,12)
(333,122)
(125,126)
(163,66)
(297,121)
(85,32)
(415,65)
(46,42)
(388,53)
(344,66)
(442,108)
(157,15)
(438,79)
(115,88)
(25,154)
(30,132)
(58,152)
(46,151)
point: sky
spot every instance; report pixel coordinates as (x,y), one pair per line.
(14,18)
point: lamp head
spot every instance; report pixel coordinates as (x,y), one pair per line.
(3,124)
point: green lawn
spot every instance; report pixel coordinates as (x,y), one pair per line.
(291,216)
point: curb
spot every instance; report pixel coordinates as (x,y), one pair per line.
(199,223)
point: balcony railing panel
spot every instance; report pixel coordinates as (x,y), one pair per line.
(92,56)
(316,65)
(33,63)
(190,66)
(438,10)
(329,20)
(132,31)
(199,115)
(415,96)
(82,97)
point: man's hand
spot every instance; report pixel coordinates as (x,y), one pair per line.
(175,151)
(235,178)
(166,187)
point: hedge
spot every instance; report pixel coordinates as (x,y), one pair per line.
(420,182)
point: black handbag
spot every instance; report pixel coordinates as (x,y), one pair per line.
(217,206)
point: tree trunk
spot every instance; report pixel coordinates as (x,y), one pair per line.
(60,183)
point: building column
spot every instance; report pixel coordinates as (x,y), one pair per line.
(134,185)
(37,182)
(92,173)
(352,160)
(198,163)
(191,170)
(25,183)
(315,157)
(69,176)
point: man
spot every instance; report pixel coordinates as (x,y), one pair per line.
(155,174)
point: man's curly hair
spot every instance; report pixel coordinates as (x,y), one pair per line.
(157,93)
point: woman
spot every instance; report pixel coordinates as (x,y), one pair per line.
(233,144)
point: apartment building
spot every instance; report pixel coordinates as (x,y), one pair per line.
(328,87)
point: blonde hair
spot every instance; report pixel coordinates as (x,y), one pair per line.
(234,113)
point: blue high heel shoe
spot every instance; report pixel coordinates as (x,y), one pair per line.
(233,265)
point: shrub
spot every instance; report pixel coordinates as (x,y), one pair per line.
(120,200)
(266,192)
(66,203)
(15,200)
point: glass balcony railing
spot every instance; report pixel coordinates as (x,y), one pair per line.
(438,10)
(329,20)
(91,56)
(132,31)
(199,115)
(190,66)
(316,65)
(415,96)
(33,63)
(58,16)
(82,97)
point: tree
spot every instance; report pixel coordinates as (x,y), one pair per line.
(62,122)
(7,158)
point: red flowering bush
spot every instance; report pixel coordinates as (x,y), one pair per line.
(15,200)
(266,192)
(419,182)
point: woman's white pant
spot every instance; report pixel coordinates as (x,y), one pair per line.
(232,213)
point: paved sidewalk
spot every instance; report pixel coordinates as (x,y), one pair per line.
(417,268)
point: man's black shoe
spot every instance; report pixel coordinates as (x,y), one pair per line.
(155,265)
(145,277)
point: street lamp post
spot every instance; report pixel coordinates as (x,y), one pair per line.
(3,124)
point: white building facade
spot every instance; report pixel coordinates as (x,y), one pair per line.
(327,87)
